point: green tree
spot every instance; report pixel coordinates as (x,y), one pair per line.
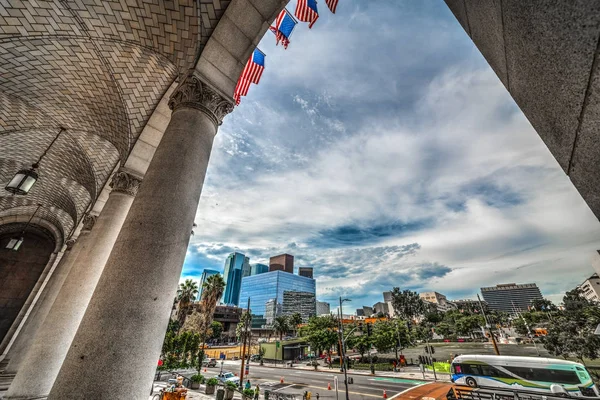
(320,333)
(245,321)
(186,294)
(543,305)
(362,343)
(407,304)
(294,320)
(443,329)
(571,331)
(216,329)
(281,325)
(386,334)
(466,324)
(202,316)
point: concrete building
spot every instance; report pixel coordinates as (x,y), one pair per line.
(368,311)
(205,274)
(470,305)
(323,308)
(387,297)
(237,266)
(591,288)
(360,312)
(381,307)
(136,86)
(306,271)
(257,269)
(438,299)
(596,261)
(267,293)
(303,303)
(229,316)
(511,298)
(282,262)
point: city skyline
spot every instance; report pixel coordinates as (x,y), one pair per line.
(413,168)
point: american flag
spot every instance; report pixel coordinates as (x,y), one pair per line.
(284,26)
(250,74)
(332,4)
(306,11)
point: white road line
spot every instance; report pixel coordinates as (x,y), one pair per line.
(404,391)
(285,387)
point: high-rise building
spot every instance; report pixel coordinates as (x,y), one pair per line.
(303,303)
(511,298)
(591,288)
(282,262)
(438,299)
(272,310)
(205,274)
(237,266)
(268,296)
(256,269)
(323,308)
(306,271)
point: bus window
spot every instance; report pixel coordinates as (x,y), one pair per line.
(545,375)
(488,370)
(470,369)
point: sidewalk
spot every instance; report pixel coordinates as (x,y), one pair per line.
(407,373)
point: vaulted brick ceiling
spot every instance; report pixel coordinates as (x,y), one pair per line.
(97,68)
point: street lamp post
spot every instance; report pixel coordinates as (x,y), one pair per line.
(343,348)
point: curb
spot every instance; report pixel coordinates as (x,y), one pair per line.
(337,371)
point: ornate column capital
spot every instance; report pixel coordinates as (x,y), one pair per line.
(194,93)
(88,222)
(70,243)
(124,182)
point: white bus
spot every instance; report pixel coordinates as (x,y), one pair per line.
(545,375)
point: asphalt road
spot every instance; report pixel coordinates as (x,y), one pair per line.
(297,381)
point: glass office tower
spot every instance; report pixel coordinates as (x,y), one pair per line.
(205,274)
(237,266)
(259,269)
(277,292)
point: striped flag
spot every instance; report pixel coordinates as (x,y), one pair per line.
(306,11)
(332,4)
(284,26)
(250,74)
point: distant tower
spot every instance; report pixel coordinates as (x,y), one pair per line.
(205,274)
(306,271)
(237,266)
(256,269)
(282,262)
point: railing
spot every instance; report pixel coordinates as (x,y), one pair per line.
(486,393)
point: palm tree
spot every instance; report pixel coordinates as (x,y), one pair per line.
(295,319)
(185,297)
(212,290)
(281,325)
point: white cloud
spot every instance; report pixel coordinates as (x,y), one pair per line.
(357,165)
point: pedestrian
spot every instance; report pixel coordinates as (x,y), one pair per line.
(317,395)
(256,392)
(248,384)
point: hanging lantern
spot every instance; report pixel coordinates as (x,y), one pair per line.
(14,243)
(23,181)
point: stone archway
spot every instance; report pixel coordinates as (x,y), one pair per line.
(21,269)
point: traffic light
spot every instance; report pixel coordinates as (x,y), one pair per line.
(369,329)
(431,350)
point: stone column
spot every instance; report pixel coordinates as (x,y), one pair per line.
(17,352)
(49,348)
(117,346)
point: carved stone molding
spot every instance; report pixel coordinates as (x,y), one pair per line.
(70,243)
(192,92)
(88,222)
(124,182)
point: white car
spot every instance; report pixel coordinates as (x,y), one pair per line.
(228,377)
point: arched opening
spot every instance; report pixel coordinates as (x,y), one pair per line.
(21,269)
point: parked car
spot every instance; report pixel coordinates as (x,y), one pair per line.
(209,362)
(254,357)
(228,377)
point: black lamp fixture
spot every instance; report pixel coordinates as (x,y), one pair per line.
(24,180)
(15,242)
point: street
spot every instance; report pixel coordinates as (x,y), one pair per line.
(296,381)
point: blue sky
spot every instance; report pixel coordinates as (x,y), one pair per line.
(382,150)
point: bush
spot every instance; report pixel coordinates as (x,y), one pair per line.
(197,378)
(230,385)
(378,367)
(212,382)
(248,392)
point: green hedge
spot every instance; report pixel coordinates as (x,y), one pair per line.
(378,367)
